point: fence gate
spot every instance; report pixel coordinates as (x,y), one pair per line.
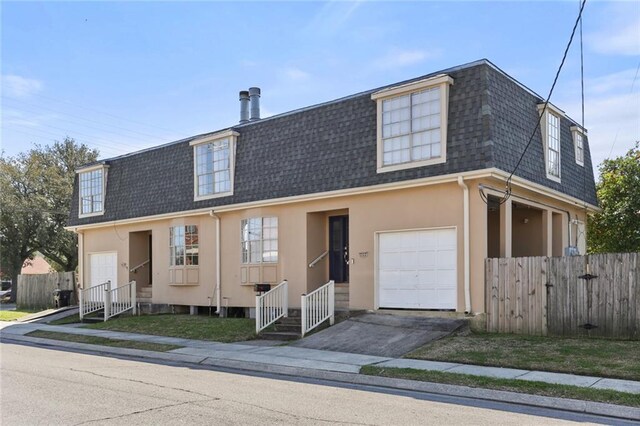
(562,296)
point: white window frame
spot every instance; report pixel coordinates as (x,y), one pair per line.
(232,137)
(559,114)
(579,132)
(443,82)
(184,245)
(104,168)
(260,241)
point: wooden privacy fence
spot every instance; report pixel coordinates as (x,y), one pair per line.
(36,291)
(563,296)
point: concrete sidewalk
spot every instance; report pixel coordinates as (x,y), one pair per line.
(212,353)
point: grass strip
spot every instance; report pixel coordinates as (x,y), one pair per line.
(511,385)
(93,340)
(585,356)
(198,327)
(14,315)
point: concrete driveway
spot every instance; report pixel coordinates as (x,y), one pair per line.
(381,334)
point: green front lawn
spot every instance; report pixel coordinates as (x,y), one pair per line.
(591,357)
(14,315)
(512,385)
(196,327)
(131,344)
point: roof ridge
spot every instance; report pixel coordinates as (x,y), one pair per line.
(298,110)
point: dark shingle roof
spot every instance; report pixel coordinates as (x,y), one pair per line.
(332,146)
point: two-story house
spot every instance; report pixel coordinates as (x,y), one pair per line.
(381,191)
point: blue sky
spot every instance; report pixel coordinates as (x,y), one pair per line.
(122,76)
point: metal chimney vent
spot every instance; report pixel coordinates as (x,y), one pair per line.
(244,106)
(254,96)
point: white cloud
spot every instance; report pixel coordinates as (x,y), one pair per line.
(402,58)
(20,87)
(296,74)
(332,17)
(619,33)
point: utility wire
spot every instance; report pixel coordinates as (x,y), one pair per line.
(546,103)
(105,142)
(84,107)
(52,135)
(77,117)
(615,138)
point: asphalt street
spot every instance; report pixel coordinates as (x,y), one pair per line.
(47,386)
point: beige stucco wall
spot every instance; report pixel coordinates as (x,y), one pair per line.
(117,238)
(303,236)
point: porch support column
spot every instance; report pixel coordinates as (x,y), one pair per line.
(547,233)
(506,227)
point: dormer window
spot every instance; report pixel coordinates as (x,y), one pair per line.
(214,165)
(412,124)
(578,143)
(551,140)
(92,190)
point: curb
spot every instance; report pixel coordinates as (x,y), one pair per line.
(546,402)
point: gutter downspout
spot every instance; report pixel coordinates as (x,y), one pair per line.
(467,289)
(218,261)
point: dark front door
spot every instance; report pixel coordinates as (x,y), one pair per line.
(339,249)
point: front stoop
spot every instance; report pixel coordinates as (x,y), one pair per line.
(285,329)
(290,328)
(144,294)
(342,296)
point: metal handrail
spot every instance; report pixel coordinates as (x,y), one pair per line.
(318,259)
(135,268)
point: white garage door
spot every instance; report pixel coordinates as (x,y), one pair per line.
(417,269)
(103,267)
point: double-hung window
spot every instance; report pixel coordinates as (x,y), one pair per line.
(412,124)
(259,240)
(551,131)
(553,145)
(578,143)
(183,245)
(214,165)
(91,191)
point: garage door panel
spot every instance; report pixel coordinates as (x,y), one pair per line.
(401,299)
(427,259)
(103,267)
(418,269)
(446,238)
(427,279)
(446,259)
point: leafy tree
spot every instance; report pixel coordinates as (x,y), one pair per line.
(35,194)
(617,228)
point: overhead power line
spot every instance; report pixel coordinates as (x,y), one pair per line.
(34,109)
(84,107)
(544,109)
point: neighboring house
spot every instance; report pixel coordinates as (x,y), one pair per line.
(387,182)
(37,265)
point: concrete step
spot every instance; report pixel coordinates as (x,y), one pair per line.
(280,335)
(341,298)
(290,320)
(344,290)
(287,327)
(343,306)
(140,299)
